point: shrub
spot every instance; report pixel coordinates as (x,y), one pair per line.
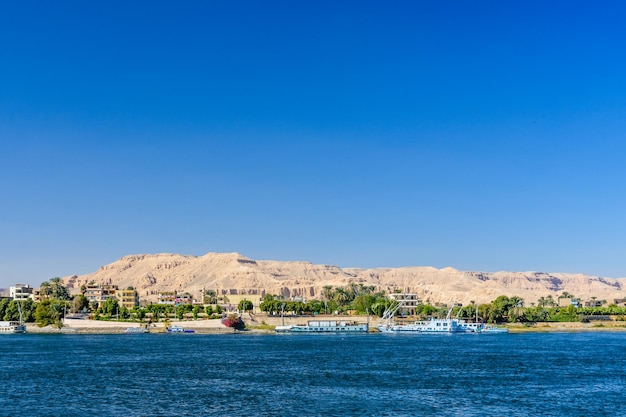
(234,321)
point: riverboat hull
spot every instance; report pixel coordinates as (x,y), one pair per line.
(11,327)
(324,326)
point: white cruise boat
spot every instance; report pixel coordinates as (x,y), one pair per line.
(324,326)
(447,325)
(12,327)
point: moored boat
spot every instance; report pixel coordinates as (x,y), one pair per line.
(435,325)
(178,329)
(136,330)
(324,326)
(490,329)
(12,327)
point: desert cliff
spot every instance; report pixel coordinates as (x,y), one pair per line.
(233,273)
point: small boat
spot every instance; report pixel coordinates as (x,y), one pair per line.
(178,329)
(324,326)
(12,327)
(490,329)
(136,330)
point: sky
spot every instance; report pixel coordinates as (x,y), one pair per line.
(482,135)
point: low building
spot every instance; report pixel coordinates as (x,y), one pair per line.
(184,298)
(620,302)
(21,292)
(594,303)
(97,293)
(566,302)
(166,297)
(232,303)
(410,303)
(128,298)
(173,298)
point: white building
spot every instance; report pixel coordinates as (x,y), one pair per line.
(409,303)
(21,292)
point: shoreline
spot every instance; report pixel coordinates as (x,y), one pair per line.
(263,324)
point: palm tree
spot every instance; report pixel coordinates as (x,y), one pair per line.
(327,292)
(45,289)
(341,296)
(516,314)
(516,301)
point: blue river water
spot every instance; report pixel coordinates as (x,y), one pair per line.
(556,374)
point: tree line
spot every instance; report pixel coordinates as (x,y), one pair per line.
(353,298)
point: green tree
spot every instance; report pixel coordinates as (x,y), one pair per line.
(182,309)
(327,292)
(4,304)
(245,305)
(46,314)
(541,302)
(315,306)
(363,303)
(139,312)
(210,297)
(110,307)
(28,310)
(12,312)
(79,303)
(270,304)
(341,296)
(59,291)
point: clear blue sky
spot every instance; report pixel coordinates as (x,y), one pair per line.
(479,135)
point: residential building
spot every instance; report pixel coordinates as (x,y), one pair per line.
(21,292)
(127,298)
(173,298)
(620,302)
(594,303)
(167,297)
(99,293)
(410,302)
(566,302)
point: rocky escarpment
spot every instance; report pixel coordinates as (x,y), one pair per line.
(233,273)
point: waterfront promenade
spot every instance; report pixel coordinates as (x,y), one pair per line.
(262,322)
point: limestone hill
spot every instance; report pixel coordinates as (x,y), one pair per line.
(237,274)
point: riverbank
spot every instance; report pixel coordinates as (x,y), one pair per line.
(261,323)
(72,326)
(600,326)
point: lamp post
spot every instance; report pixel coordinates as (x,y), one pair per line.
(282,312)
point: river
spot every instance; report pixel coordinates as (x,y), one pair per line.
(530,374)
